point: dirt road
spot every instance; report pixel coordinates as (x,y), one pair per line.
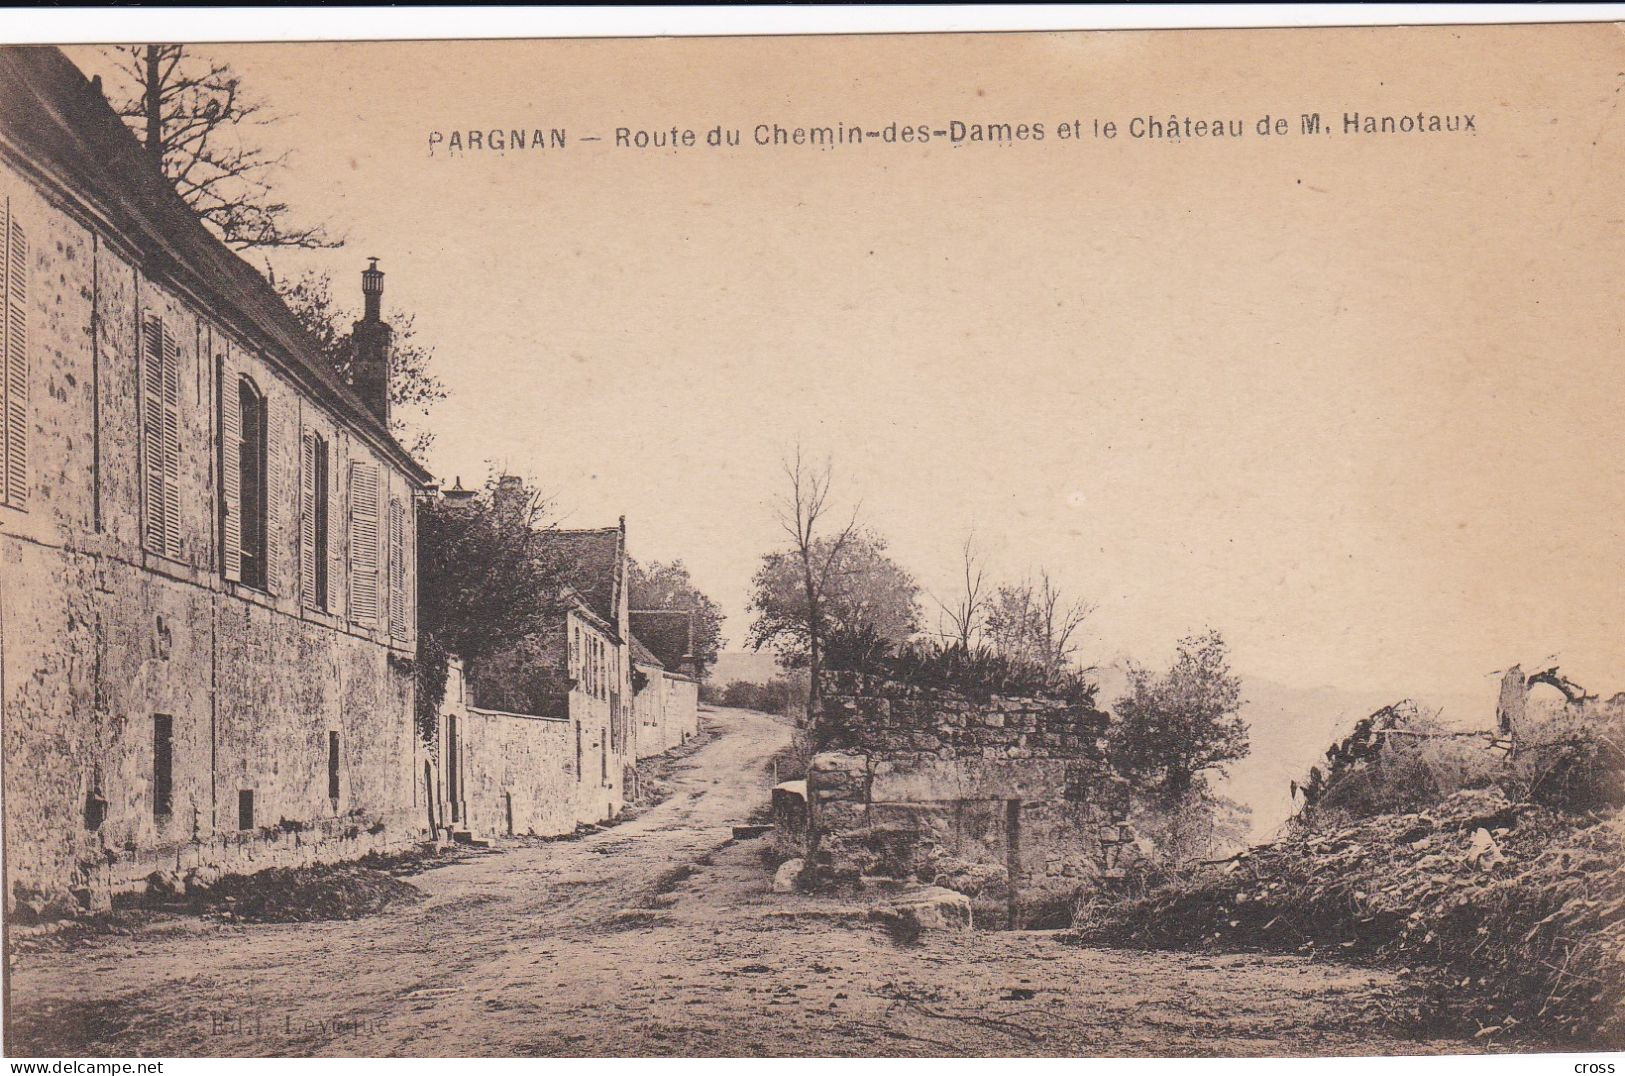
(661,936)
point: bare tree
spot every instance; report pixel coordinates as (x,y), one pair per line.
(1035,622)
(193,118)
(966,613)
(803,508)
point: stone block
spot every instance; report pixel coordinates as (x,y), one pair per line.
(787,876)
(923,911)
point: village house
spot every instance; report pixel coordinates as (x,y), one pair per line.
(668,696)
(207,542)
(546,735)
(577,671)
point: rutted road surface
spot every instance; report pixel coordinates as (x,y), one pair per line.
(657,937)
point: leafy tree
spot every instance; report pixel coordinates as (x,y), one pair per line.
(1034,623)
(195,121)
(485,584)
(807,568)
(668,586)
(413,387)
(862,592)
(1174,728)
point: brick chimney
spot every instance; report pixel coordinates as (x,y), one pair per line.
(370,344)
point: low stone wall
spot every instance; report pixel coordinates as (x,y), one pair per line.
(1007,800)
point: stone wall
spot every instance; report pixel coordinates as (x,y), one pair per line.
(1004,799)
(667,711)
(515,773)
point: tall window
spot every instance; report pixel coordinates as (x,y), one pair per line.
(161,438)
(363,542)
(314,522)
(243,465)
(13,361)
(397,568)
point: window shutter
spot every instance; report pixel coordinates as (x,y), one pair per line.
(397,569)
(172,445)
(231,477)
(14,423)
(335,546)
(154,445)
(363,542)
(276,490)
(307,519)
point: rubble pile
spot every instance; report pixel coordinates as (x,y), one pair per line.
(1513,914)
(306,894)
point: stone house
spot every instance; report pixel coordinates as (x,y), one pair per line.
(207,584)
(668,694)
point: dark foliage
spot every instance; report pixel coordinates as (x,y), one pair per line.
(773,697)
(975,671)
(485,583)
(1174,727)
(668,586)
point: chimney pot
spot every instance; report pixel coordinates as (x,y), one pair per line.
(370,343)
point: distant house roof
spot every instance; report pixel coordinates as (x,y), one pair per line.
(591,563)
(642,655)
(669,633)
(57,127)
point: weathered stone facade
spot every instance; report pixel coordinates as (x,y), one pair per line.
(1005,799)
(161,709)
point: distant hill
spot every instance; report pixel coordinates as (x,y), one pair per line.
(746,665)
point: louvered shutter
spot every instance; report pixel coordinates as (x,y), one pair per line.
(276,490)
(335,547)
(307,519)
(172,444)
(14,423)
(154,445)
(397,569)
(363,542)
(231,476)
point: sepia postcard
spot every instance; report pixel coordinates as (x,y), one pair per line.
(1079,543)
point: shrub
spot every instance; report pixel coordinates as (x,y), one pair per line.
(772,697)
(975,671)
(1400,759)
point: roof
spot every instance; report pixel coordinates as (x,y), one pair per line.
(59,128)
(669,633)
(642,655)
(590,561)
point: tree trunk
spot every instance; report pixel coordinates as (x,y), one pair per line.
(814,658)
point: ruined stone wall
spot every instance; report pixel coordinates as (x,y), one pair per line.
(927,784)
(98,634)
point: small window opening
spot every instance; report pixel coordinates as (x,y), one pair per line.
(163,764)
(333,766)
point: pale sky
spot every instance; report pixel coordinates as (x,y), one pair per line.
(1354,401)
